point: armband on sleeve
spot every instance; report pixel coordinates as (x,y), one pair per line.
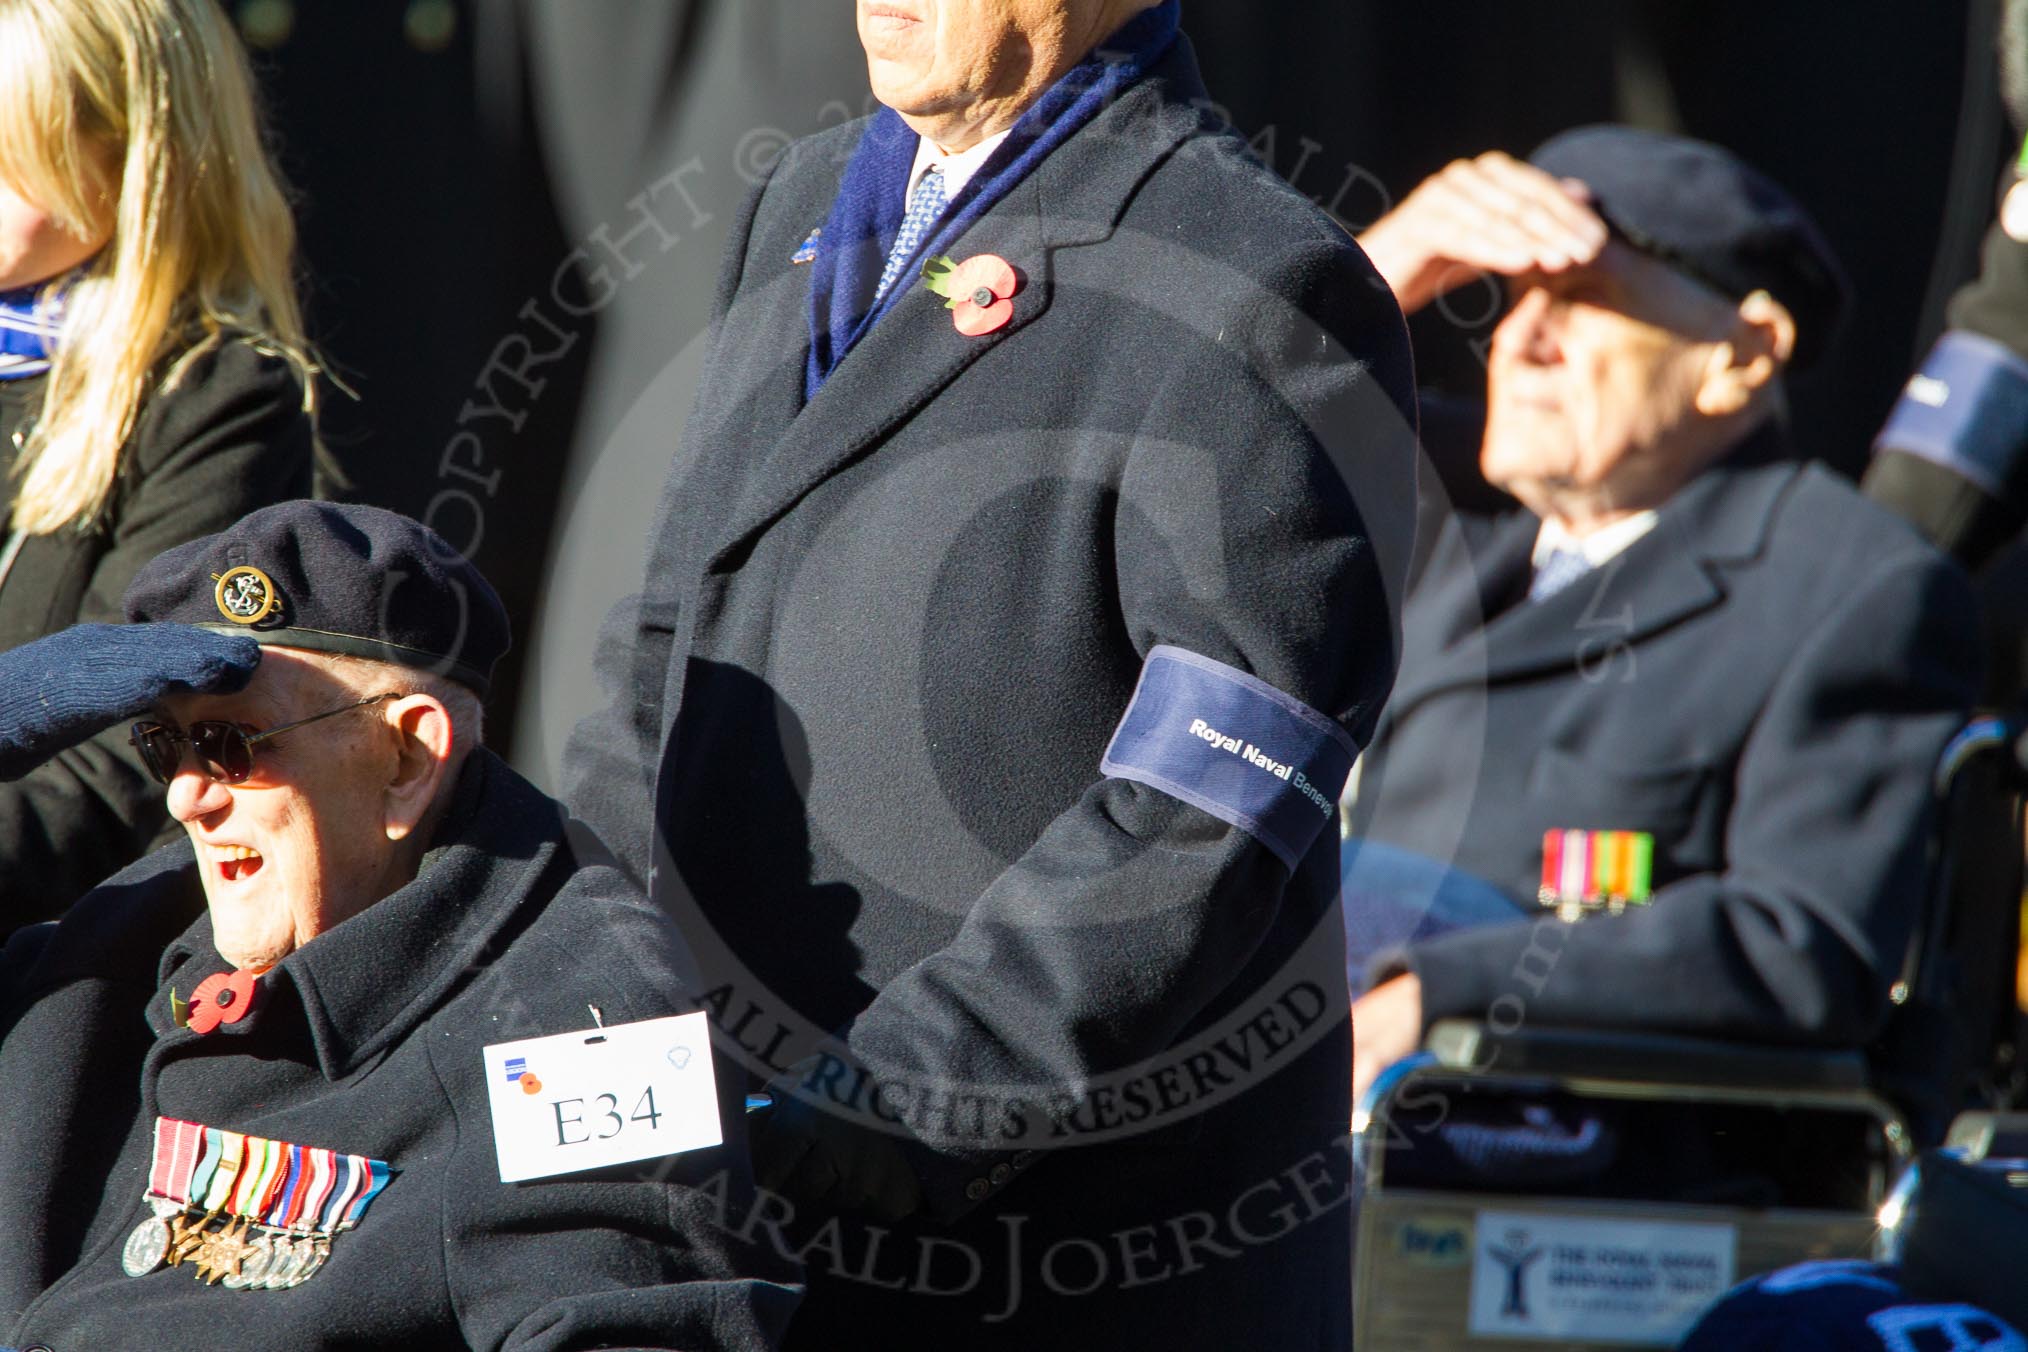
(1235,746)
(1967,410)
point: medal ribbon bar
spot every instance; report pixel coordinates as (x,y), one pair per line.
(299,1196)
(1584,872)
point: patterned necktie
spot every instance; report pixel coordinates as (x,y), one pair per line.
(925,204)
(1558,571)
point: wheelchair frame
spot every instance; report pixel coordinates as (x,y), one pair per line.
(1419,1283)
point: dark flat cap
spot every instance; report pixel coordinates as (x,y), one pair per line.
(1706,212)
(337,578)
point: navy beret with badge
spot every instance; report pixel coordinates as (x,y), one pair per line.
(332,577)
(1706,212)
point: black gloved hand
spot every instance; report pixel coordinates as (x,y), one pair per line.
(817,1158)
(60,690)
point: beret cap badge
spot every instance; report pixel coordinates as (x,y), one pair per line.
(341,578)
(245,595)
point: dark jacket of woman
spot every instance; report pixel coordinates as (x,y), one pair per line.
(231,436)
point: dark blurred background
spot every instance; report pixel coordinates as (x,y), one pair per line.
(513,209)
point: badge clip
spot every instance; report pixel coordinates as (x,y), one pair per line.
(600,1020)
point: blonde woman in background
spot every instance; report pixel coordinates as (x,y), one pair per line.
(154,378)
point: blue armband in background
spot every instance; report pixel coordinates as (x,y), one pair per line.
(1235,746)
(1966,410)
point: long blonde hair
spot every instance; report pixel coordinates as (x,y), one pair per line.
(203,242)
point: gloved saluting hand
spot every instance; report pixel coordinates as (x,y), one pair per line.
(60,690)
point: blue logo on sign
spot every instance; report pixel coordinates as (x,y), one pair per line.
(517,1067)
(1517,1258)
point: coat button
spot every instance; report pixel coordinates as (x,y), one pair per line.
(1023,1158)
(1001,1173)
(37,1347)
(975,1189)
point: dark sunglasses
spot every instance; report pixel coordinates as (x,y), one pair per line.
(225,751)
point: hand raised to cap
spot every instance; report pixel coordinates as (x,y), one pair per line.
(59,690)
(1490,214)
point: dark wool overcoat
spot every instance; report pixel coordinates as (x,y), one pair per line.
(366,1040)
(1763,683)
(231,436)
(858,713)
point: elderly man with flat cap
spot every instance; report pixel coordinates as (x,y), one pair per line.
(265,1089)
(1689,696)
(1021,592)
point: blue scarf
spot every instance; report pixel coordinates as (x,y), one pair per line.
(31,321)
(872,199)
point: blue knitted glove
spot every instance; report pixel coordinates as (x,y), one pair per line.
(60,690)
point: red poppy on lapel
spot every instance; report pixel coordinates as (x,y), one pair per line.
(220,998)
(980,291)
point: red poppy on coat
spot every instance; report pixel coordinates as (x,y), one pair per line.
(983,291)
(221,998)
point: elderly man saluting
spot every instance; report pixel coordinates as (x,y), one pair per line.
(1019,596)
(261,1090)
(1688,697)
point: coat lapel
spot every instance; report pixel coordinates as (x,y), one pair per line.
(1478,568)
(1075,197)
(903,363)
(1676,571)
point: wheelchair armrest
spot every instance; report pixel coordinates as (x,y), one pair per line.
(1990,1135)
(1647,1058)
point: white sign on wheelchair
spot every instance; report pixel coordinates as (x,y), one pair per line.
(1590,1279)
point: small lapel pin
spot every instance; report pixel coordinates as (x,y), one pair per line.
(978,292)
(808,253)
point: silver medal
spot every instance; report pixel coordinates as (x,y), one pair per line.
(253,1270)
(319,1250)
(146,1247)
(282,1268)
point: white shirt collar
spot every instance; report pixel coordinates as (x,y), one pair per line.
(958,169)
(1600,547)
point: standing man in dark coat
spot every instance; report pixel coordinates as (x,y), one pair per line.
(249,1085)
(1033,398)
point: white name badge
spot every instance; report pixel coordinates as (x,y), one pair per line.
(602,1096)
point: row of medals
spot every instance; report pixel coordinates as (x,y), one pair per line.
(218,1250)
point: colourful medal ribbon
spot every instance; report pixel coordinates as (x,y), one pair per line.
(1552,866)
(1576,864)
(378,1175)
(323,1173)
(351,1178)
(165,1149)
(177,1145)
(1606,873)
(253,1197)
(253,1159)
(209,1148)
(232,1155)
(1596,870)
(294,1189)
(268,1201)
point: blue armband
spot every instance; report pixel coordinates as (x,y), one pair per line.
(1234,746)
(1966,410)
